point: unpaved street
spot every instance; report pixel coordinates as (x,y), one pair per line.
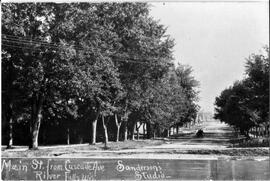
(214,145)
(183,156)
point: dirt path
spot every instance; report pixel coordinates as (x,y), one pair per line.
(214,145)
(216,136)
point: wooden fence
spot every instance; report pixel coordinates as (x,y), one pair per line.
(260,131)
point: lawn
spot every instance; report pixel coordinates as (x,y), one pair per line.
(69,149)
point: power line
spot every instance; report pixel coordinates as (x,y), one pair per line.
(25,43)
(31,48)
(25,38)
(31,42)
(121,74)
(28,41)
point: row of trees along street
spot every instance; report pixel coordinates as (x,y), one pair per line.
(85,72)
(245,105)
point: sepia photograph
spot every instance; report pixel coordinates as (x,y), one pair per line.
(135,90)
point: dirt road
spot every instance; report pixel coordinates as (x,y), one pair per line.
(214,145)
(182,156)
(216,136)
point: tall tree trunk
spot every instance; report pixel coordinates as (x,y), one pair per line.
(138,134)
(125,131)
(10,135)
(94,131)
(125,120)
(138,130)
(133,131)
(149,131)
(157,132)
(10,126)
(36,119)
(144,130)
(35,131)
(94,127)
(117,133)
(118,125)
(10,98)
(105,132)
(68,136)
(168,132)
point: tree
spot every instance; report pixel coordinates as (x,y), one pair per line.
(91,61)
(120,115)
(23,20)
(96,79)
(233,108)
(257,71)
(243,105)
(171,100)
(145,53)
(46,68)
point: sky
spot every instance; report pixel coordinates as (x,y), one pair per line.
(215,38)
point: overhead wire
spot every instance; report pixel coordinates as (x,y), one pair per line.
(27,42)
(20,39)
(129,74)
(17,43)
(29,39)
(17,40)
(31,48)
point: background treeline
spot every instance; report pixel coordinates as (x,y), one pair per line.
(245,105)
(85,72)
